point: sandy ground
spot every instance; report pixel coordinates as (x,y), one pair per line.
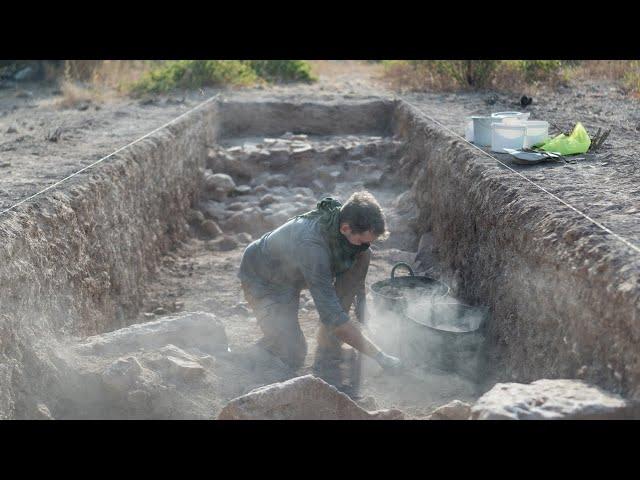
(603,185)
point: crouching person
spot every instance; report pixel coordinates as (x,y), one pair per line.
(327,251)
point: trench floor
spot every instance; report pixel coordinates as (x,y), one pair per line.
(200,279)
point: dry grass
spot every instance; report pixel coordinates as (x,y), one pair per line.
(340,70)
(533,77)
(95,80)
(601,69)
(73,95)
(107,74)
(403,77)
(510,75)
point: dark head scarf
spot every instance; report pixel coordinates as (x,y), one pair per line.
(343,252)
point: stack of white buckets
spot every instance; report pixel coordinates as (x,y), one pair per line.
(503,130)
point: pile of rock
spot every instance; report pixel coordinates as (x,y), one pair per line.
(256,187)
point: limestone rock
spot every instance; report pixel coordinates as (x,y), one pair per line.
(214,210)
(123,374)
(219,185)
(211,229)
(195,217)
(224,243)
(550,400)
(268,199)
(276,180)
(250,220)
(200,330)
(455,410)
(183,369)
(42,412)
(301,398)
(243,238)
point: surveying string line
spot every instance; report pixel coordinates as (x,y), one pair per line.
(200,105)
(595,222)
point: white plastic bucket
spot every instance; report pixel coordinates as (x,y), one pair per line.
(468,129)
(511,115)
(537,131)
(505,135)
(482,130)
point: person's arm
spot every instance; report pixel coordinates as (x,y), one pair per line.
(316,269)
(351,334)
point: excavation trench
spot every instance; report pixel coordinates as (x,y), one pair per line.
(158,231)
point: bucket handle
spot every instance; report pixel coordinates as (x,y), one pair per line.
(401,264)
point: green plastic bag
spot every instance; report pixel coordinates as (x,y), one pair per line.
(577,142)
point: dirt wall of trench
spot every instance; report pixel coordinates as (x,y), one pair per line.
(563,294)
(75,260)
(271,117)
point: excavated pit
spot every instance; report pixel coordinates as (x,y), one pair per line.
(158,231)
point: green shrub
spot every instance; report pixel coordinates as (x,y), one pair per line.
(205,73)
(194,74)
(282,70)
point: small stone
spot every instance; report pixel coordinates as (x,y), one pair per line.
(220,182)
(160,311)
(195,217)
(184,369)
(242,189)
(223,244)
(455,410)
(24,94)
(236,206)
(123,374)
(267,199)
(244,238)
(12,129)
(211,228)
(148,315)
(276,180)
(43,413)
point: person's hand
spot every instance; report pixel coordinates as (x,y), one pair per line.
(389,363)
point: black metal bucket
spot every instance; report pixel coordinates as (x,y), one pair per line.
(423,335)
(391,294)
(447,335)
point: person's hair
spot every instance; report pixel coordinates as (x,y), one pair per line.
(363,214)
